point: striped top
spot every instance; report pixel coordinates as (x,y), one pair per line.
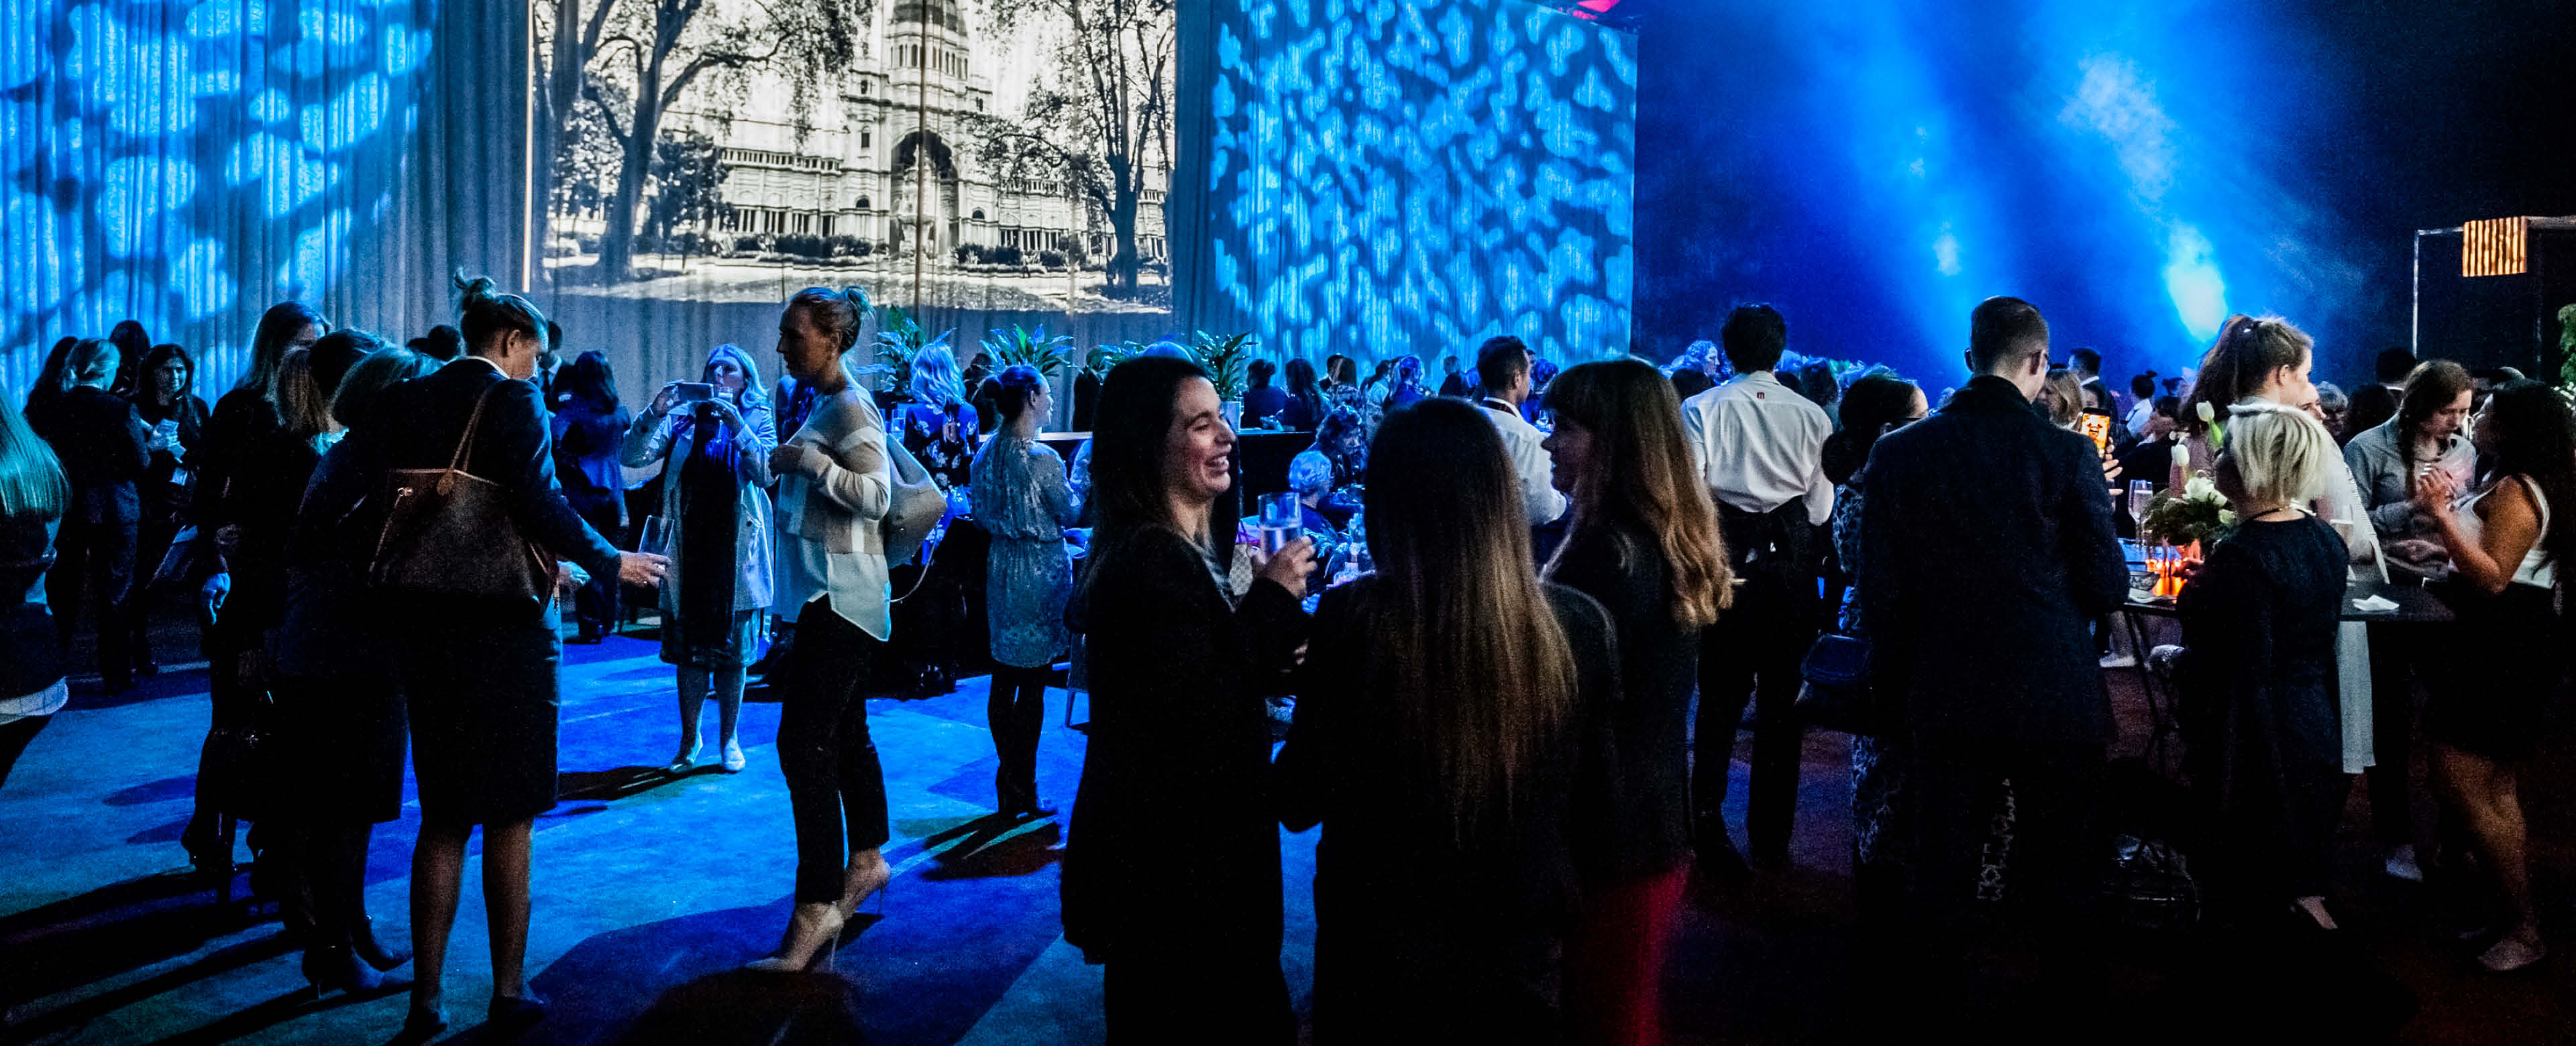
(830,506)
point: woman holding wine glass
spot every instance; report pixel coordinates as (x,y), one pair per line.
(1180,732)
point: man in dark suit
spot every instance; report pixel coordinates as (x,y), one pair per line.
(1989,553)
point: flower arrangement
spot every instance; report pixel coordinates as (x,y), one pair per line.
(2198,517)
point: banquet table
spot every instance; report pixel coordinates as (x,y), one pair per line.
(2417,606)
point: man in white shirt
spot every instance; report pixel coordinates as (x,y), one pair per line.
(1760,448)
(1503,366)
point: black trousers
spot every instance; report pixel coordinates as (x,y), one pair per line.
(98,558)
(1751,656)
(1197,996)
(823,748)
(1016,712)
(2058,849)
(2392,734)
(14,736)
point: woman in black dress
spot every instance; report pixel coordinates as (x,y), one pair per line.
(100,442)
(2509,544)
(241,425)
(2263,741)
(1642,540)
(169,406)
(1180,734)
(340,736)
(477,676)
(587,433)
(1449,739)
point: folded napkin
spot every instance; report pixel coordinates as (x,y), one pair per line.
(2374,605)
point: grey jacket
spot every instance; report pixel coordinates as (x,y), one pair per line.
(2377,458)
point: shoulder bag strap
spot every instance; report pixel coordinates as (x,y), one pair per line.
(465,443)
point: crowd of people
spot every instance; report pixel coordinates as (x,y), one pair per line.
(1530,613)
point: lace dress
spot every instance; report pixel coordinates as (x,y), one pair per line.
(1021,499)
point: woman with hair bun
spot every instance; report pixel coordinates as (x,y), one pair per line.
(835,485)
(1021,499)
(479,676)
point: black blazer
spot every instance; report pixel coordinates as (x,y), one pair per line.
(1424,936)
(100,441)
(416,425)
(1172,848)
(1989,552)
(1646,822)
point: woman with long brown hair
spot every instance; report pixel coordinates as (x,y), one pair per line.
(1642,539)
(1445,724)
(1180,734)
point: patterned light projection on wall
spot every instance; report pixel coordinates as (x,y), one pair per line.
(1412,177)
(187,164)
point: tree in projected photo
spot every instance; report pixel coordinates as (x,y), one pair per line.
(1102,122)
(613,68)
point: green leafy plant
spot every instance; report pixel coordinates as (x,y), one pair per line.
(1104,358)
(1228,359)
(2567,348)
(1016,346)
(900,337)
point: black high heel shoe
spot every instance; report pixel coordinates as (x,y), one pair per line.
(363,941)
(420,1026)
(515,1012)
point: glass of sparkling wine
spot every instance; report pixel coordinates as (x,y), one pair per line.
(1282,522)
(2141,493)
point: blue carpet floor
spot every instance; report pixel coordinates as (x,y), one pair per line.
(647,884)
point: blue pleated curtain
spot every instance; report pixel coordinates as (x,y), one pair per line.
(189,164)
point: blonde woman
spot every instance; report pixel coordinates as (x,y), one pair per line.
(2257,674)
(835,486)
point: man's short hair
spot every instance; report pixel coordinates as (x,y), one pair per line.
(2087,360)
(2005,330)
(1501,359)
(2394,365)
(1755,336)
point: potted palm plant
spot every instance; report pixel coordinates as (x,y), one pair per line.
(900,337)
(1228,359)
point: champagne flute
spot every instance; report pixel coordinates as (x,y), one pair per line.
(2141,494)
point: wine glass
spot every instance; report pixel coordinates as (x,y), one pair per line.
(657,537)
(2141,494)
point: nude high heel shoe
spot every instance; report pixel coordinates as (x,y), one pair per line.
(812,934)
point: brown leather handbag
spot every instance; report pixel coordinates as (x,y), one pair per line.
(449,534)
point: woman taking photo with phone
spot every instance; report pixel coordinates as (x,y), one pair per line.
(1180,734)
(713,440)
